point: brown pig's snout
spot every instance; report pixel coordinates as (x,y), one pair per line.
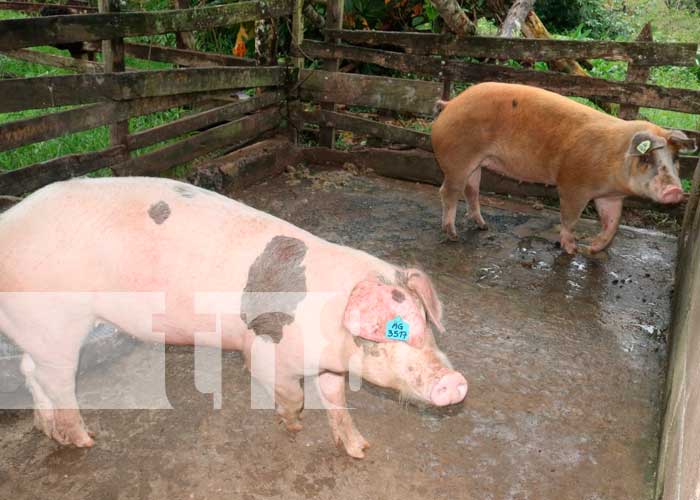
(449,389)
(672,194)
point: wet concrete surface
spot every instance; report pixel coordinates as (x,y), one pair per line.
(564,356)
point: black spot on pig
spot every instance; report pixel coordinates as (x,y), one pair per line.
(184,191)
(398,296)
(276,284)
(159,212)
(515,103)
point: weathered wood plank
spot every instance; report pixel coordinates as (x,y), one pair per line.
(51,91)
(113,60)
(245,128)
(334,20)
(34,56)
(24,180)
(36,7)
(184,57)
(19,33)
(652,96)
(406,96)
(641,53)
(41,128)
(357,124)
(201,120)
(636,74)
(246,166)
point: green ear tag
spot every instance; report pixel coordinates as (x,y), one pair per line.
(644,146)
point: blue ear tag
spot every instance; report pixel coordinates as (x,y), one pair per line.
(397,329)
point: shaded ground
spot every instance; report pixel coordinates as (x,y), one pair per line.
(564,357)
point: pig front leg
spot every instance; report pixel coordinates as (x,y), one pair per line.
(289,399)
(609,211)
(332,386)
(570,205)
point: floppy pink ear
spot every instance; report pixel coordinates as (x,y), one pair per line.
(372,305)
(419,282)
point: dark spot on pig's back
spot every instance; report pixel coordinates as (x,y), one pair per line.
(515,103)
(276,284)
(184,191)
(159,212)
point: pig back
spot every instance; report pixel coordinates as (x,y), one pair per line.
(131,234)
(520,131)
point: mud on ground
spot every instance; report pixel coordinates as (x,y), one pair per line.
(564,356)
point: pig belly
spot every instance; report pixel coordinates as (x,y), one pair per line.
(522,170)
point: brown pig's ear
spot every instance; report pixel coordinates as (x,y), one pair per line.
(683,142)
(419,282)
(644,142)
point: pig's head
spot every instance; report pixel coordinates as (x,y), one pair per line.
(391,324)
(652,164)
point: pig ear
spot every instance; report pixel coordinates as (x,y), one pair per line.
(374,307)
(683,142)
(419,282)
(644,142)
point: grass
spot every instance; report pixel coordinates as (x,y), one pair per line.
(79,142)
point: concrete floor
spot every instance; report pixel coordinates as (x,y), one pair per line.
(564,357)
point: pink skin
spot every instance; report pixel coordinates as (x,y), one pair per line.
(84,241)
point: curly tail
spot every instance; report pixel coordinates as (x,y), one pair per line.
(439,106)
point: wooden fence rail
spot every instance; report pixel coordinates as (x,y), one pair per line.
(45,127)
(52,91)
(21,33)
(36,7)
(651,96)
(527,49)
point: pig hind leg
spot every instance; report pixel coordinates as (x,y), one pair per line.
(471,193)
(452,189)
(56,410)
(609,211)
(332,387)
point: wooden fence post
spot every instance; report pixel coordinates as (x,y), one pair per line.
(184,39)
(334,20)
(113,60)
(636,74)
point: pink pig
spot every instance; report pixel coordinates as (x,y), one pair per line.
(83,242)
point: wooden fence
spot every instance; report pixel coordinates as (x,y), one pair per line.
(102,93)
(442,59)
(110,94)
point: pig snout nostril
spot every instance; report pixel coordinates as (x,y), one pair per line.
(462,391)
(450,389)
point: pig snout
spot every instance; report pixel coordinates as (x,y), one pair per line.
(449,389)
(672,194)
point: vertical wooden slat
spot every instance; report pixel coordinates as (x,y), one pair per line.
(298,62)
(636,74)
(334,20)
(298,31)
(184,39)
(113,60)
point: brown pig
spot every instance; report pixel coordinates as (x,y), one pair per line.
(73,254)
(534,135)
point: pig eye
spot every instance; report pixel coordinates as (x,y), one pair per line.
(398,296)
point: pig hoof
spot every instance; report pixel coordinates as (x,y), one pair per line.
(356,447)
(483,226)
(294,426)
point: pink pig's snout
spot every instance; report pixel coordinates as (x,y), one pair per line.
(450,389)
(672,194)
